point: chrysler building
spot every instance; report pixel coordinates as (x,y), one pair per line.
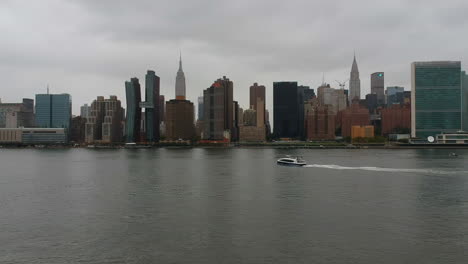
(354,82)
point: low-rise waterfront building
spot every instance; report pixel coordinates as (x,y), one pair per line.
(33,136)
(452,138)
(362,131)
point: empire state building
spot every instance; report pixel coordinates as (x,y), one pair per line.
(180,82)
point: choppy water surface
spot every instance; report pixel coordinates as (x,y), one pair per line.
(233,206)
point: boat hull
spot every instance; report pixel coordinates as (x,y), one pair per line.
(282,163)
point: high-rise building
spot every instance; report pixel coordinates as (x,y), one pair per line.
(200,108)
(133,120)
(15,115)
(240,114)
(78,129)
(53,110)
(143,127)
(407,97)
(436,105)
(152,106)
(396,119)
(371,103)
(249,117)
(218,106)
(235,121)
(354,82)
(257,93)
(377,86)
(180,82)
(336,98)
(104,124)
(180,120)
(162,109)
(395,95)
(308,93)
(354,115)
(465,100)
(319,121)
(252,127)
(268,124)
(286,107)
(85,110)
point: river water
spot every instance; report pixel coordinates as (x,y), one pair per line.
(215,205)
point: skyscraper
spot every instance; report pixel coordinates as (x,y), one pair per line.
(85,110)
(104,124)
(286,109)
(354,115)
(336,98)
(308,93)
(257,94)
(180,82)
(354,82)
(465,100)
(53,110)
(395,95)
(180,120)
(319,121)
(200,108)
(133,95)
(436,104)
(14,115)
(377,86)
(396,119)
(162,109)
(152,106)
(218,106)
(252,123)
(256,91)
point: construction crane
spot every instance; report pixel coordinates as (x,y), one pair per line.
(342,84)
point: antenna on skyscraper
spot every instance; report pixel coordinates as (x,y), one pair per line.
(47,88)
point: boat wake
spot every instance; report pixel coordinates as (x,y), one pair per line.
(338,167)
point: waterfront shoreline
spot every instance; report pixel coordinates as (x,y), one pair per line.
(255,146)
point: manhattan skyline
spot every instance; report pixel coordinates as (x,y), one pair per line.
(93,55)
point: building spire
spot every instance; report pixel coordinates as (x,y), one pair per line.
(354,82)
(354,68)
(180,60)
(180,81)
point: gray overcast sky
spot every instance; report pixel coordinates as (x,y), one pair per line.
(90,47)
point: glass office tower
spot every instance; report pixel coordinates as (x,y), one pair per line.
(152,106)
(436,98)
(465,100)
(133,95)
(286,107)
(53,110)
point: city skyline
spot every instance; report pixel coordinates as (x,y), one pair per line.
(98,59)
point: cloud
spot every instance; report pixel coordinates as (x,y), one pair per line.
(89,48)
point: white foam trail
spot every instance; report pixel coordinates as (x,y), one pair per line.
(338,167)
